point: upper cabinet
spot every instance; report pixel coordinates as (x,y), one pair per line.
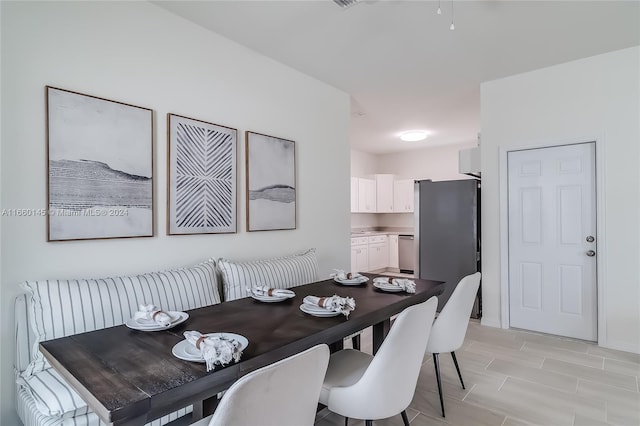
(384,194)
(366,196)
(403,196)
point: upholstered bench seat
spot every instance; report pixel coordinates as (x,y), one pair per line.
(58,308)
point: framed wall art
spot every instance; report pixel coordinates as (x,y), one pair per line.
(100,167)
(271,183)
(202,177)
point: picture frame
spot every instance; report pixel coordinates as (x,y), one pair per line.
(202,170)
(99,167)
(271,182)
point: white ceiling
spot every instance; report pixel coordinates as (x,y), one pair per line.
(403,67)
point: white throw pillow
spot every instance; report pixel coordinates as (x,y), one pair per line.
(280,272)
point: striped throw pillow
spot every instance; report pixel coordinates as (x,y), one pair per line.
(281,272)
(59,308)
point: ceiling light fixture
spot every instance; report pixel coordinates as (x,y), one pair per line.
(413,135)
(439,9)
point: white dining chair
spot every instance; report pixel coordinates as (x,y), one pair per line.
(450,327)
(280,394)
(361,386)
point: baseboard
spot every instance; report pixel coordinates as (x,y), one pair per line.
(490,322)
(621,346)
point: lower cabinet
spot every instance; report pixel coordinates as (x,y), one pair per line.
(370,253)
(359,254)
(378,252)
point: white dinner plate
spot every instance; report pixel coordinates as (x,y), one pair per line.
(317,311)
(354,281)
(277,298)
(149,325)
(392,288)
(186,351)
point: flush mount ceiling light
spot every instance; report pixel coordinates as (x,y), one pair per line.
(413,135)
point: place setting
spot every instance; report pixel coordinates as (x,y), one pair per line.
(211,349)
(348,278)
(152,318)
(268,294)
(328,306)
(394,285)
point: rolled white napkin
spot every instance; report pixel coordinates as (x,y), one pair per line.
(342,275)
(214,349)
(153,313)
(335,303)
(265,290)
(405,284)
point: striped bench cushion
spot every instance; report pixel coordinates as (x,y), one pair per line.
(59,308)
(281,272)
(52,395)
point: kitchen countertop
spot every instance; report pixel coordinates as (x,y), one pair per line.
(371,233)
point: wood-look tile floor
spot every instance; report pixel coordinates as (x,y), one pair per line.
(516,378)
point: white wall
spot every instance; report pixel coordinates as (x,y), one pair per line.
(363,164)
(593,98)
(437,163)
(137,53)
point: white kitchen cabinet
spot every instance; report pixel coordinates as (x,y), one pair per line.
(366,195)
(403,196)
(378,252)
(384,193)
(394,261)
(354,195)
(359,254)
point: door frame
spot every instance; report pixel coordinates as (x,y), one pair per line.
(600,224)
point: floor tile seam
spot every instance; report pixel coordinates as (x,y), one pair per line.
(414,417)
(542,384)
(597,380)
(613,358)
(549,354)
(559,347)
(631,365)
(632,394)
(468,392)
(574,392)
(496,410)
(514,360)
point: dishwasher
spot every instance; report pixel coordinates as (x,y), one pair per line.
(406,253)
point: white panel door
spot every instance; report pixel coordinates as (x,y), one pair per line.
(552,247)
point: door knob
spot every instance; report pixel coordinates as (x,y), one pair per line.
(590,239)
(591,253)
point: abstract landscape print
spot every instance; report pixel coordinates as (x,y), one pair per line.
(100,160)
(271,183)
(202,177)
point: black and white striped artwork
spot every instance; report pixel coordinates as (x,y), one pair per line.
(271,183)
(202,177)
(100,167)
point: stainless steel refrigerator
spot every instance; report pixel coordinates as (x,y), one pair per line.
(447,233)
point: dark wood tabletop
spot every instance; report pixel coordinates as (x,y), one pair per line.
(130,377)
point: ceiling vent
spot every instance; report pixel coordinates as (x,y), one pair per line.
(345,3)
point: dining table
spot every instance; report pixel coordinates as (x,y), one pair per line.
(131,377)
